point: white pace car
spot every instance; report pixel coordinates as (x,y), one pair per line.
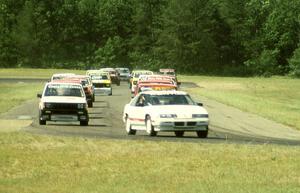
(174,111)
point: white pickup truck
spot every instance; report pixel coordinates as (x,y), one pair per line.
(63,102)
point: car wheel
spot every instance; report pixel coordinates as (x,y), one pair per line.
(202,134)
(179,133)
(149,127)
(84,123)
(42,122)
(128,128)
(118,84)
(93,98)
(90,103)
(110,94)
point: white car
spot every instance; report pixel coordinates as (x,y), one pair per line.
(63,102)
(154,111)
(124,73)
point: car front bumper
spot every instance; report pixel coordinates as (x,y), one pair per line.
(172,124)
(99,91)
(61,115)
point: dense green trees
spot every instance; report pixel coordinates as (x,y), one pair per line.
(259,37)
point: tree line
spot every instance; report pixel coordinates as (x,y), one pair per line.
(241,37)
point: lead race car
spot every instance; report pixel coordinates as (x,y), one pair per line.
(175,111)
(63,102)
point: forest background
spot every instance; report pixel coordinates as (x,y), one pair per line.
(218,37)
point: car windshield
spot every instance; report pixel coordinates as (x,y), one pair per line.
(169,99)
(64,90)
(100,77)
(142,73)
(170,73)
(124,71)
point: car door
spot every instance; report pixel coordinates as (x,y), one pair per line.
(137,112)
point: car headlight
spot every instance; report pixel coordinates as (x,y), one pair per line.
(81,106)
(168,115)
(200,116)
(47,105)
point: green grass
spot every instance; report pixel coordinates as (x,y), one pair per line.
(31,163)
(276,98)
(13,94)
(33,73)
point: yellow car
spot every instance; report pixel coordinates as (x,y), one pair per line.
(102,83)
(135,77)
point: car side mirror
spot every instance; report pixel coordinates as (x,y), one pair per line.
(39,95)
(200,104)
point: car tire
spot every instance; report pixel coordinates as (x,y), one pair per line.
(202,134)
(84,123)
(90,103)
(128,128)
(110,94)
(179,133)
(42,122)
(93,98)
(149,127)
(118,84)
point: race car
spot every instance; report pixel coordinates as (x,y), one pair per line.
(124,73)
(86,84)
(135,77)
(63,102)
(102,83)
(172,111)
(171,73)
(158,86)
(59,76)
(114,75)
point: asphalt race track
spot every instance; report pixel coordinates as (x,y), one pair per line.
(106,122)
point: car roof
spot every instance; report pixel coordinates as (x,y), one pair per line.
(167,70)
(141,71)
(171,92)
(62,74)
(63,83)
(68,80)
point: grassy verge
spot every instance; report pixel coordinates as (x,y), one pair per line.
(13,94)
(276,98)
(53,164)
(33,73)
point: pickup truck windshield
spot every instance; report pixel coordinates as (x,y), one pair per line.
(64,90)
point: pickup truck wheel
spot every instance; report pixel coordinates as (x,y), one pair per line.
(84,123)
(149,127)
(129,130)
(202,134)
(42,122)
(90,103)
(179,133)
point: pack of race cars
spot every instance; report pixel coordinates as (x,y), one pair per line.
(156,105)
